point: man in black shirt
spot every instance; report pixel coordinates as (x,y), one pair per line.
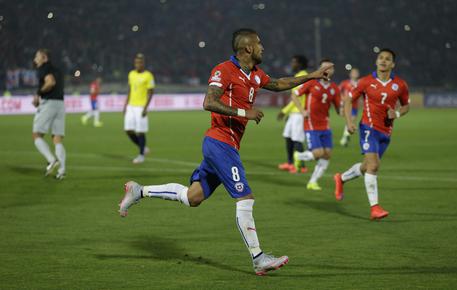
(50,113)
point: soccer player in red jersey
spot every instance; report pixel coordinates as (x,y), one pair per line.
(320,94)
(346,87)
(95,112)
(381,92)
(232,89)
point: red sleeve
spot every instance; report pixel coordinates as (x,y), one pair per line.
(304,88)
(264,78)
(404,96)
(220,77)
(356,92)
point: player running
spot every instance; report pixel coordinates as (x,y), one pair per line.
(381,91)
(50,114)
(232,89)
(346,87)
(320,95)
(94,112)
(141,89)
(293,130)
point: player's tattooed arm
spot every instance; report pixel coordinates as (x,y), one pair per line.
(288,83)
(213,102)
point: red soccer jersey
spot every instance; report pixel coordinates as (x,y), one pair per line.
(240,91)
(346,87)
(319,97)
(94,90)
(378,96)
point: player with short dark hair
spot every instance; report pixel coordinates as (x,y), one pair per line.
(141,88)
(50,114)
(381,91)
(293,130)
(232,89)
(320,95)
(346,87)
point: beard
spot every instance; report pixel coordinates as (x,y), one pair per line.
(257,59)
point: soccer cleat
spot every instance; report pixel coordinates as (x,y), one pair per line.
(51,167)
(304,170)
(98,124)
(138,159)
(132,195)
(377,212)
(265,263)
(313,186)
(60,176)
(292,169)
(284,166)
(339,194)
(84,120)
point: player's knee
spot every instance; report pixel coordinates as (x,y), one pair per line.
(372,167)
(318,153)
(327,155)
(195,200)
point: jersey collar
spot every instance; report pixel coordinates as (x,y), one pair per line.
(235,61)
(375,75)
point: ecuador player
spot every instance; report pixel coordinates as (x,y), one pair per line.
(381,92)
(293,130)
(232,89)
(141,89)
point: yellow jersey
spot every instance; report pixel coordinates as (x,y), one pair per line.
(140,83)
(291,108)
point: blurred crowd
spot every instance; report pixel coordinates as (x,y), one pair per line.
(183,39)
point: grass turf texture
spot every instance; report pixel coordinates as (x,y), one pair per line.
(68,235)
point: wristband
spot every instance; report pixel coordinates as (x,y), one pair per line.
(241,112)
(397,114)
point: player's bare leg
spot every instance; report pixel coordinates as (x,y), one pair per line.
(370,166)
(346,135)
(43,148)
(245,222)
(61,155)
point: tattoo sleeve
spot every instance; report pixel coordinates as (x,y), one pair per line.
(213,102)
(287,83)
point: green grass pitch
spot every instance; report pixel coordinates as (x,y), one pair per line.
(68,234)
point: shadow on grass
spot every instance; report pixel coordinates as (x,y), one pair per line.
(167,250)
(326,206)
(27,170)
(365,271)
(279,180)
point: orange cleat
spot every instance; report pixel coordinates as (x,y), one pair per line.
(292,169)
(284,166)
(377,212)
(304,170)
(339,194)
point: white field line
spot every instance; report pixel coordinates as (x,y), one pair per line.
(193,165)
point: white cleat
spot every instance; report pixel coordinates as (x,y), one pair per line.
(60,175)
(132,196)
(138,159)
(265,263)
(51,167)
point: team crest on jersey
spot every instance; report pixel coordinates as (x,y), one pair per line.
(332,92)
(366,146)
(217,76)
(239,186)
(395,87)
(317,88)
(257,79)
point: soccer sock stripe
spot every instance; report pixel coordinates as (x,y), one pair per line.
(169,191)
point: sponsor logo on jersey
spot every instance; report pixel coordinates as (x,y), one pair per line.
(257,79)
(373,86)
(239,186)
(217,76)
(395,87)
(317,88)
(243,79)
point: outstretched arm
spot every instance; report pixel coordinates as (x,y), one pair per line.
(287,83)
(213,103)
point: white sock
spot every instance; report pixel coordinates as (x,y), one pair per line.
(43,148)
(89,114)
(96,116)
(61,156)
(305,156)
(346,132)
(352,172)
(371,185)
(169,191)
(319,170)
(246,226)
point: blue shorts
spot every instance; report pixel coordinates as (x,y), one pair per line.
(372,141)
(221,164)
(319,139)
(94,104)
(354,112)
